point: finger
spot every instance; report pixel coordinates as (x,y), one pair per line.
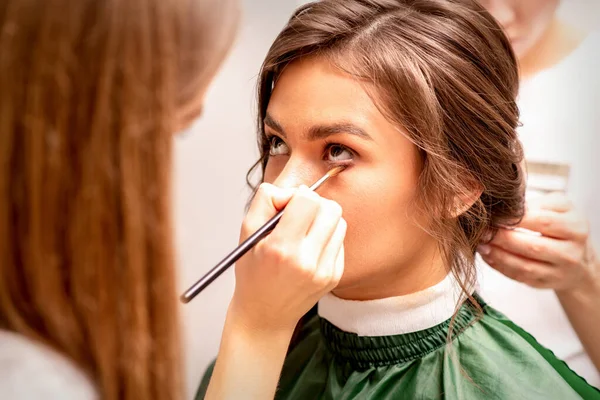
(538,248)
(298,217)
(331,266)
(269,199)
(557,202)
(530,272)
(318,236)
(323,227)
(569,226)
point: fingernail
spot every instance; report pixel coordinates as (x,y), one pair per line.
(484,249)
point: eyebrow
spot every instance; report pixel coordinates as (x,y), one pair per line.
(273,124)
(319,132)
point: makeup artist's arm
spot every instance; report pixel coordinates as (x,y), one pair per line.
(563,259)
(277,282)
(249,362)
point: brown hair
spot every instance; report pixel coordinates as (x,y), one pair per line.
(445,72)
(92,94)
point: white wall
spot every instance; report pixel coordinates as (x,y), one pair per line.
(210,169)
(582,13)
(211,163)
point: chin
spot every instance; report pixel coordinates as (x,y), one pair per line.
(347,282)
(519,47)
(522,45)
(350,281)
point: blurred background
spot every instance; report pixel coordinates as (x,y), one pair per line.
(212,159)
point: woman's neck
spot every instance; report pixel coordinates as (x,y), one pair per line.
(424,270)
(558,41)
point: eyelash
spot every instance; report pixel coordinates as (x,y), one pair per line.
(328,145)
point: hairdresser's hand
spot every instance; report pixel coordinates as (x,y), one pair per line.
(285,274)
(561,258)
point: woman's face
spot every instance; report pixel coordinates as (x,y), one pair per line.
(524,21)
(319,117)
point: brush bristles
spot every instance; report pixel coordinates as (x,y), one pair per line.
(336,170)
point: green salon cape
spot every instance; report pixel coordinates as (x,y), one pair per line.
(489,358)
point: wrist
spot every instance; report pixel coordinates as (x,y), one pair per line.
(588,287)
(257,324)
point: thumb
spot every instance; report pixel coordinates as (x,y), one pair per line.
(279,197)
(269,200)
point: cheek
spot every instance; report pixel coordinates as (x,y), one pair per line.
(383,229)
(533,18)
(374,203)
(274,168)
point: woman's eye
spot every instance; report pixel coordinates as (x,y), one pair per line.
(337,153)
(278,147)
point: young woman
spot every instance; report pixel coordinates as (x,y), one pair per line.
(559,271)
(417,100)
(92,95)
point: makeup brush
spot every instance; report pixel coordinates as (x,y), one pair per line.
(247,244)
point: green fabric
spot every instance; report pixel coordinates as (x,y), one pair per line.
(488,358)
(585,390)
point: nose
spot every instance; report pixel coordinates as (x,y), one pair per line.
(296,173)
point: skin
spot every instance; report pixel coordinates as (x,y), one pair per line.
(318,117)
(277,282)
(312,251)
(525,22)
(385,253)
(539,38)
(562,257)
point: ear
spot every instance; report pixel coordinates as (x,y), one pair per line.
(465,200)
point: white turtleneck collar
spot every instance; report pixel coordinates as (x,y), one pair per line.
(393,315)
